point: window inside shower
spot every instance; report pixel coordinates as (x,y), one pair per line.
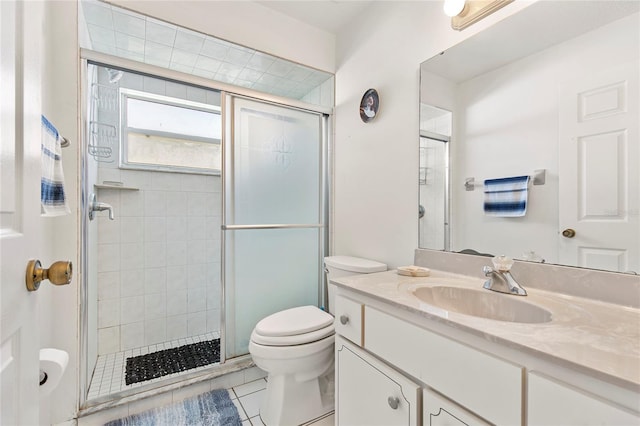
(153,272)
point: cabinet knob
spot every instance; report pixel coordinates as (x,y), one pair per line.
(344,319)
(394,402)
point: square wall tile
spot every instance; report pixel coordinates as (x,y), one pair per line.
(176,203)
(155,331)
(177,253)
(155,203)
(188,41)
(196,323)
(108,340)
(155,254)
(197,276)
(164,181)
(132,283)
(196,300)
(131,256)
(155,306)
(131,229)
(176,228)
(131,309)
(108,257)
(132,335)
(160,32)
(177,303)
(154,85)
(155,229)
(196,252)
(129,24)
(108,285)
(176,90)
(176,278)
(132,204)
(155,280)
(108,313)
(177,326)
(108,230)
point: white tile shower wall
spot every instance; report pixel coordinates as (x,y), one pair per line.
(159,263)
(159,260)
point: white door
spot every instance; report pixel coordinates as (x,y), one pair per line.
(20,223)
(599,170)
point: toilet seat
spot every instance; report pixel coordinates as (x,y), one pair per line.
(295,326)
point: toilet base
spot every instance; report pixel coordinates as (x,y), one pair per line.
(289,402)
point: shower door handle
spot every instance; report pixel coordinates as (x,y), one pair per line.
(95,206)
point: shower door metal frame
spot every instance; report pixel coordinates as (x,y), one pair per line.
(228,140)
(101,59)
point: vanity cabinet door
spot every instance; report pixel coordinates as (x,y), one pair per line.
(439,411)
(483,383)
(552,403)
(370,393)
(348,319)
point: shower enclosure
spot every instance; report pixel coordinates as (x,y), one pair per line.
(218,206)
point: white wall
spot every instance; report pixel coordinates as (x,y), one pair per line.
(59,305)
(376,164)
(249,24)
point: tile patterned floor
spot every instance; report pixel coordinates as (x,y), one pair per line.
(108,376)
(248,397)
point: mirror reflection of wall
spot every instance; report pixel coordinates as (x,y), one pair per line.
(435,133)
(509,116)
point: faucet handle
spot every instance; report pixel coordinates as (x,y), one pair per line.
(502,263)
(487,270)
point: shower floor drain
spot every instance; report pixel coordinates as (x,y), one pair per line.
(169,361)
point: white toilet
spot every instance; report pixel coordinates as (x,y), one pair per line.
(295,348)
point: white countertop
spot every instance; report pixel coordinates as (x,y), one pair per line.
(598,338)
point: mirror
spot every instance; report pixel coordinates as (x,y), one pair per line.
(550,92)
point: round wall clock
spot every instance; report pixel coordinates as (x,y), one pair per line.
(369,105)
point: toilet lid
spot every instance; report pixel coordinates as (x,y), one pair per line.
(298,339)
(294,321)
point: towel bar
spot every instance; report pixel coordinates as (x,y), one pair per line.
(65,142)
(539,177)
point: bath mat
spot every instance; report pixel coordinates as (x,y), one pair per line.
(168,361)
(213,408)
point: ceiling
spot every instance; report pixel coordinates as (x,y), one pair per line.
(328,15)
(130,35)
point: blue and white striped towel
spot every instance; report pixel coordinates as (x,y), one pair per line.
(52,196)
(506,197)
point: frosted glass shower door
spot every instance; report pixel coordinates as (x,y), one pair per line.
(274,220)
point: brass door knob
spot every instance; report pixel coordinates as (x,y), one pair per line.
(569,233)
(59,273)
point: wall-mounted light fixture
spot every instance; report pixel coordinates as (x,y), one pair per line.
(453,7)
(464,13)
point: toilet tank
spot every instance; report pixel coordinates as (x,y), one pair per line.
(344,266)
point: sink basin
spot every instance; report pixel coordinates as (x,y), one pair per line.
(482,303)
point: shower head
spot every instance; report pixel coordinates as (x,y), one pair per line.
(114,75)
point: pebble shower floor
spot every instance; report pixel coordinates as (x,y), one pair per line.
(109,374)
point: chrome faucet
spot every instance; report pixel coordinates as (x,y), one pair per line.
(500,279)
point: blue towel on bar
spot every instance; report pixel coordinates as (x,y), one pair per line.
(506,197)
(52,196)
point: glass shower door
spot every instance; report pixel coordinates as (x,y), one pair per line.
(274,214)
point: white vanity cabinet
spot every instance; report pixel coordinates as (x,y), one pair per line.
(439,411)
(552,403)
(348,319)
(370,393)
(482,383)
